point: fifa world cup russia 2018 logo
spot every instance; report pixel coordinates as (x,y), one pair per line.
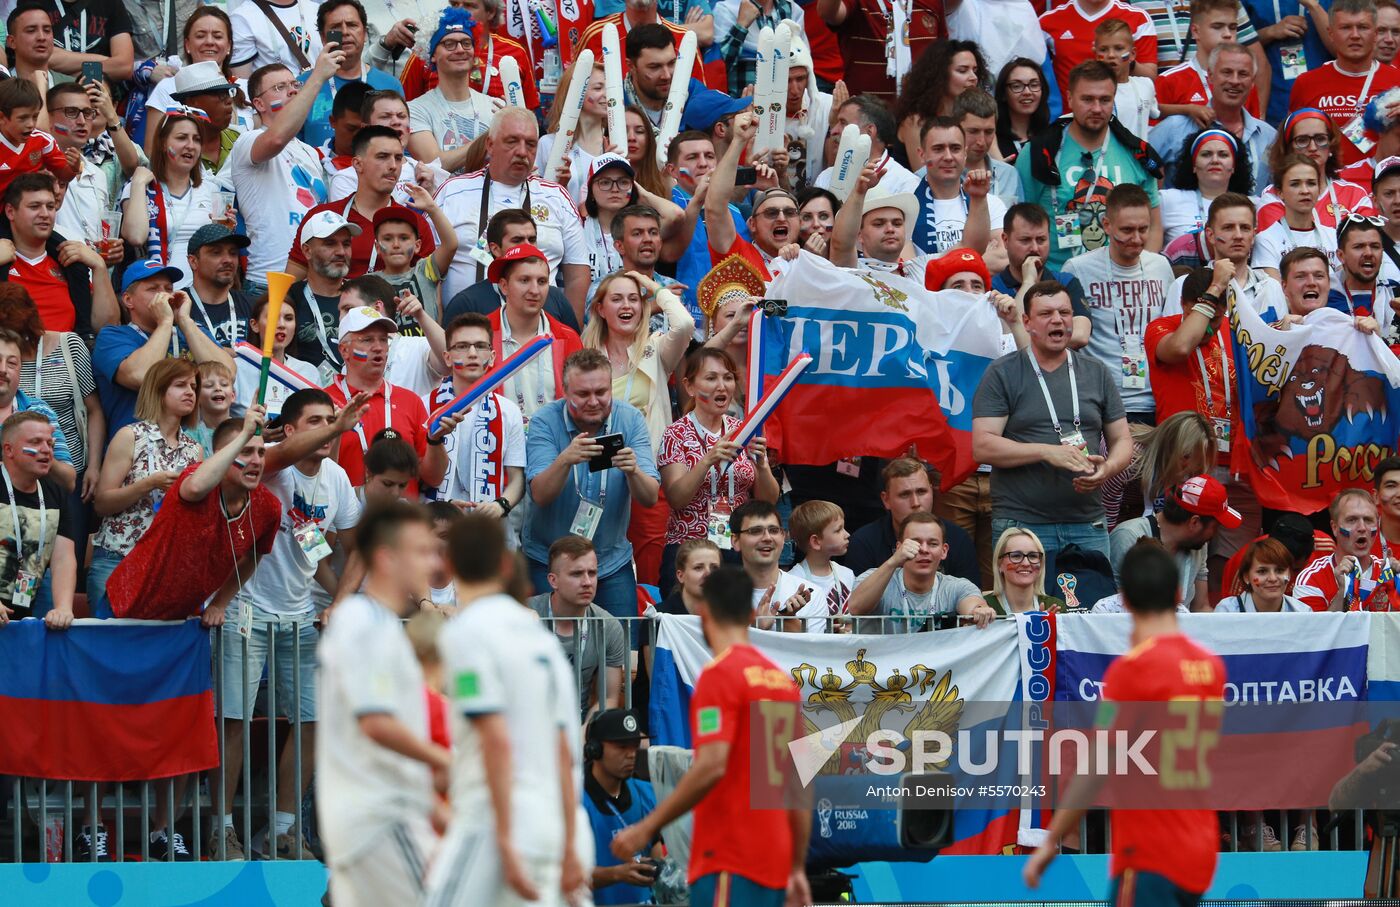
(824,810)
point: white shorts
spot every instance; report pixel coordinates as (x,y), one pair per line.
(466,872)
(390,872)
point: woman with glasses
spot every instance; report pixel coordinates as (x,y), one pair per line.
(208,35)
(1218,164)
(1299,181)
(1019,583)
(704,473)
(1023,106)
(619,324)
(612,186)
(1311,133)
(938,76)
(164,205)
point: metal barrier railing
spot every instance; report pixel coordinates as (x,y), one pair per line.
(47,816)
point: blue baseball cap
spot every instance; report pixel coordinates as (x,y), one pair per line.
(145,270)
(707,107)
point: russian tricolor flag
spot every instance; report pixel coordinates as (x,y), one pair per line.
(892,365)
(106,700)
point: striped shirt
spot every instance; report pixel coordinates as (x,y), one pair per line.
(57,395)
(1175,44)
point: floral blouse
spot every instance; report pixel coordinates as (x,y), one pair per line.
(685,442)
(150,453)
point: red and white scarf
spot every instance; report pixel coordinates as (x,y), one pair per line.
(479,470)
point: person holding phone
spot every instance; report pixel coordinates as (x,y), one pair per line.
(571,495)
(342,24)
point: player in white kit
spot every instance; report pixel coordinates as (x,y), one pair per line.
(516,770)
(374,762)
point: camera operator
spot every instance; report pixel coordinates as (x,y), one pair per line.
(613,800)
(1375,782)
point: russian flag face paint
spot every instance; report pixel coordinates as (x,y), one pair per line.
(361,355)
(31,451)
(240,464)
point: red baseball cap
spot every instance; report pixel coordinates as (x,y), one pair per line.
(519,253)
(397,214)
(939,270)
(1205,496)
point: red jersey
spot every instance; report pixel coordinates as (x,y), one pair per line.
(364,254)
(43,278)
(746,249)
(189,551)
(38,152)
(1339,197)
(407,415)
(1342,95)
(1188,84)
(825,48)
(861,38)
(1179,844)
(1362,173)
(729,834)
(1070,32)
(1322,546)
(1316,586)
(1183,386)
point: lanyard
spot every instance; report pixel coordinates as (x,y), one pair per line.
(602,242)
(1094,163)
(373,246)
(177,225)
(14,517)
(1366,86)
(542,366)
(344,387)
(39,369)
(580,486)
(486,207)
(580,624)
(1073,389)
(1224,379)
(708,440)
(309,513)
(232,322)
(315,310)
(1176,30)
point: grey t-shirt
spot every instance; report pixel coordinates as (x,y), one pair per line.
(1192,564)
(1122,302)
(595,642)
(1038,492)
(899,602)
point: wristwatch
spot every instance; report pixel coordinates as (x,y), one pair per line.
(438,442)
(505,504)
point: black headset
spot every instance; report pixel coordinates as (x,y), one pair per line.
(592,749)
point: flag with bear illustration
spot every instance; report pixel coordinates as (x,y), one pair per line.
(1319,404)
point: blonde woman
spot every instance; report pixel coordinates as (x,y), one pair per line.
(642,360)
(1018,583)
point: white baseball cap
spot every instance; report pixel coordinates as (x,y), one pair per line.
(361,317)
(324,225)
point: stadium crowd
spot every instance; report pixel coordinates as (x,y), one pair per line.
(153,173)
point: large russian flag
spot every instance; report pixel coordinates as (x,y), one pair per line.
(893,365)
(106,700)
(1319,404)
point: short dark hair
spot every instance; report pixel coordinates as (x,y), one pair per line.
(974,102)
(506,217)
(572,546)
(16,93)
(444,512)
(296,404)
(673,150)
(902,468)
(933,123)
(876,113)
(14,420)
(652,36)
(1149,578)
(1090,71)
(61,89)
(1175,514)
(225,429)
(382,522)
(1043,288)
(728,595)
(325,9)
(585,360)
(374,96)
(1389,464)
(919,517)
(1029,212)
(368,134)
(1227,200)
(619,221)
(372,288)
(26,6)
(476,548)
(468,320)
(350,96)
(755,509)
(812,193)
(27,182)
(1293,256)
(255,86)
(1126,195)
(390,455)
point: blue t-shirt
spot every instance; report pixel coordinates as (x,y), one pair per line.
(606,823)
(318,130)
(1261,13)
(551,430)
(27,404)
(695,263)
(114,344)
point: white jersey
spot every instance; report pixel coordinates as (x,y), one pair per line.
(499,659)
(367,666)
(558,229)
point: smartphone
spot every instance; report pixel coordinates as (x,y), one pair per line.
(334,36)
(92,71)
(745,176)
(611,445)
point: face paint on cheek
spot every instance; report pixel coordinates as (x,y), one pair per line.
(60,129)
(276,105)
(240,464)
(360,355)
(1344,532)
(31,451)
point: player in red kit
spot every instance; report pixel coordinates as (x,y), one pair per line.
(739,855)
(1161,857)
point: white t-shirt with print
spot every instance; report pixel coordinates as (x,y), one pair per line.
(1279,239)
(950,216)
(282,582)
(274,196)
(363,790)
(245,387)
(1135,104)
(452,123)
(184,214)
(256,40)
